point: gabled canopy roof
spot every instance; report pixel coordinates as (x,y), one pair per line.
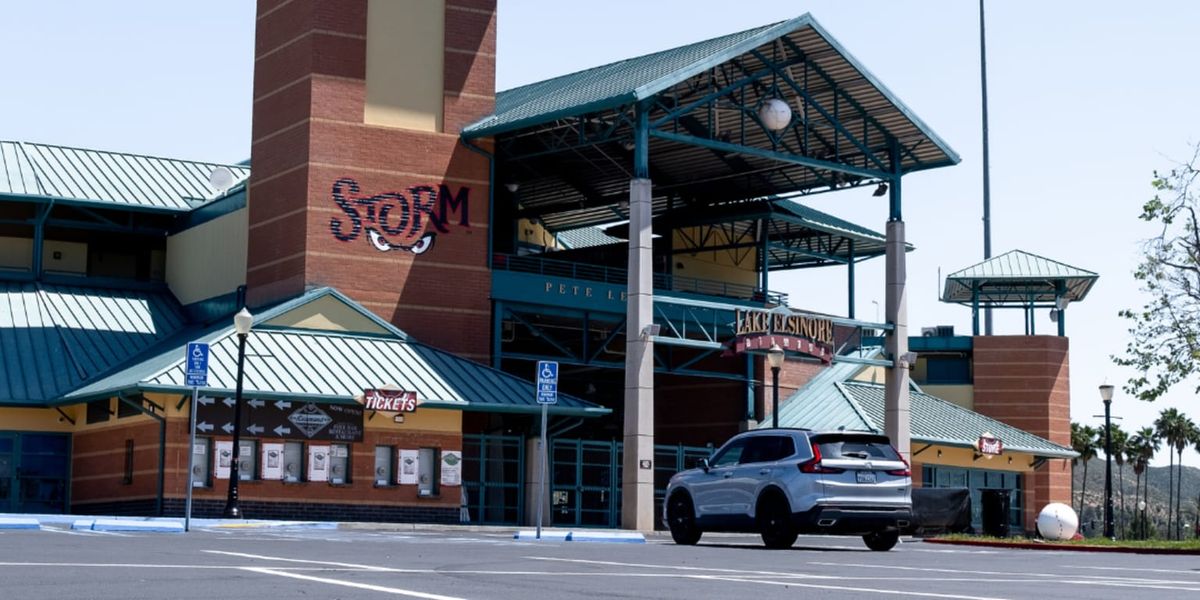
(107,179)
(1018,277)
(567,141)
(293,363)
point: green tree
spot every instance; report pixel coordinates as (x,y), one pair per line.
(1140,451)
(1083,441)
(1168,427)
(1120,444)
(1164,345)
(1185,435)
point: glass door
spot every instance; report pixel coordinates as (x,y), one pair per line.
(8,472)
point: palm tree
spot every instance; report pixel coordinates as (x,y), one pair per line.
(1083,441)
(1166,427)
(1186,433)
(1120,444)
(1141,449)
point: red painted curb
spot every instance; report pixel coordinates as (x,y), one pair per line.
(1067,547)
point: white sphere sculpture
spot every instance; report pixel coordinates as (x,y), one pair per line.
(775,114)
(1057,522)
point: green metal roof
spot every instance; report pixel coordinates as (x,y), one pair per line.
(831,401)
(1018,277)
(288,363)
(612,85)
(55,338)
(107,179)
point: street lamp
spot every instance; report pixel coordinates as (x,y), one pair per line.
(775,358)
(241,324)
(1141,506)
(1106,393)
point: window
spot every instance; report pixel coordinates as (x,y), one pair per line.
(128,479)
(124,409)
(339,464)
(293,462)
(383,464)
(730,454)
(948,370)
(863,448)
(97,411)
(427,471)
(767,448)
(201,467)
(247,460)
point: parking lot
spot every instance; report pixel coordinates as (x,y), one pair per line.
(373,562)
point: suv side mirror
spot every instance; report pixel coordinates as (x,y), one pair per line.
(704,464)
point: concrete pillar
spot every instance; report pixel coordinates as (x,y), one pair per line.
(533,457)
(637,480)
(896,400)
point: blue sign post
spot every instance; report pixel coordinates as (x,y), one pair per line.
(195,360)
(547,394)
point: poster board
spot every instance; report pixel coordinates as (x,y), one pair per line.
(224,459)
(451,467)
(318,463)
(272,461)
(406,474)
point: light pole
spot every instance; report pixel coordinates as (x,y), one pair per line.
(1142,513)
(241,324)
(1106,392)
(775,358)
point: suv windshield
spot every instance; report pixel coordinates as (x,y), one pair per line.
(856,446)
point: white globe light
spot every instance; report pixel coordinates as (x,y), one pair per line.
(775,114)
(1057,522)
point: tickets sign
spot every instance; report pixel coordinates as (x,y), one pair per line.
(389,400)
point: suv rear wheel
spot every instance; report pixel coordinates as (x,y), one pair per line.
(882,541)
(681,519)
(775,523)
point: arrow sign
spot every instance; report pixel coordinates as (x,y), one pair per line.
(255,429)
(280,430)
(256,403)
(227,402)
(281,405)
(227,428)
(204,426)
(205,401)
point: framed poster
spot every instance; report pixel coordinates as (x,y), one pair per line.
(318,463)
(451,467)
(272,461)
(407,473)
(224,459)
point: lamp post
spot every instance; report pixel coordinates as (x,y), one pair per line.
(775,358)
(1106,392)
(1141,506)
(241,324)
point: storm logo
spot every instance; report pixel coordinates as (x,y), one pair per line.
(395,221)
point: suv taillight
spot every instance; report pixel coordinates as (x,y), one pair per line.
(813,465)
(906,471)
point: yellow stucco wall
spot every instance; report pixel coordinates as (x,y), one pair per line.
(423,419)
(329,314)
(72,256)
(964,457)
(16,253)
(208,260)
(870,374)
(730,266)
(405,46)
(529,232)
(962,395)
(38,419)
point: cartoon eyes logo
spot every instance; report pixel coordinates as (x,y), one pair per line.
(383,245)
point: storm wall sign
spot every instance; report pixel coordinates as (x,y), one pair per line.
(397,221)
(281,419)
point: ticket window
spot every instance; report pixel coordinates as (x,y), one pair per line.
(293,462)
(384,467)
(339,464)
(427,472)
(201,465)
(247,460)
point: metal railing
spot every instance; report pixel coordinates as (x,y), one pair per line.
(615,276)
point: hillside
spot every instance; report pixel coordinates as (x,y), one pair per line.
(1159,479)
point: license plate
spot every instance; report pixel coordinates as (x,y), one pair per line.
(865,476)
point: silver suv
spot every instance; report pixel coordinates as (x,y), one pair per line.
(784,482)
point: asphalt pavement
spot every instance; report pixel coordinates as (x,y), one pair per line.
(362,561)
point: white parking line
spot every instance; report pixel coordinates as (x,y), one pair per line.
(352,584)
(842,588)
(300,560)
(1135,569)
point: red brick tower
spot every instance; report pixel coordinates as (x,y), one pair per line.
(359,179)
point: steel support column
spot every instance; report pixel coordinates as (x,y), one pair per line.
(637,480)
(896,399)
(850,283)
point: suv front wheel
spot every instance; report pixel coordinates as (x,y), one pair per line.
(681,519)
(882,541)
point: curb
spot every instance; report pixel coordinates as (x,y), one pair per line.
(163,526)
(1063,547)
(19,523)
(617,537)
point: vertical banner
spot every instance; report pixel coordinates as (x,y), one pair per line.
(224,459)
(318,463)
(407,473)
(272,461)
(451,467)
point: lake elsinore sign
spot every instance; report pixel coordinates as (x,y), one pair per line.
(759,329)
(281,419)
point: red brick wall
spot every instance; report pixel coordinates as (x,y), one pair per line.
(792,376)
(308,133)
(98,463)
(1024,381)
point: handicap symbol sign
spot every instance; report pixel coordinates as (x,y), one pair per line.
(196,359)
(547,382)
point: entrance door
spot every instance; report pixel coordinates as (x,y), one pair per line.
(585,483)
(493,475)
(34,470)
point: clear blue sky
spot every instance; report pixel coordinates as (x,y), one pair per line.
(1086,99)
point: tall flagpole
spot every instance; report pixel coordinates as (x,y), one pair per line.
(987,200)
